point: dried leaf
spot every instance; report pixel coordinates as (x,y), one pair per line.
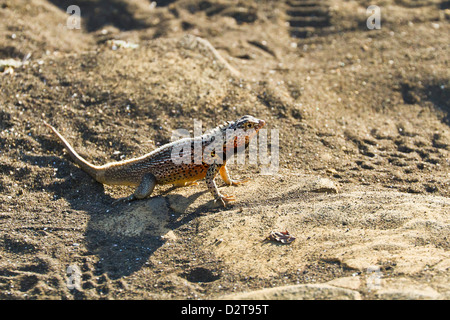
(283,237)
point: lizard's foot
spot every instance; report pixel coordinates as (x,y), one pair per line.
(124,199)
(238,182)
(225,199)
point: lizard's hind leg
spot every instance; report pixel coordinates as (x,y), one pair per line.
(144,189)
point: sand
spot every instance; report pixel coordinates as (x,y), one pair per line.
(363,182)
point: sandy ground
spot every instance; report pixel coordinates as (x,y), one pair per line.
(363,181)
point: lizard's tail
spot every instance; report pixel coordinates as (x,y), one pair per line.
(91,169)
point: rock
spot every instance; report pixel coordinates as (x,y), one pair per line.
(324,185)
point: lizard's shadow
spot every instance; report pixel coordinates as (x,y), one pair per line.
(124,236)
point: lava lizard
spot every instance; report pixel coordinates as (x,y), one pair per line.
(160,167)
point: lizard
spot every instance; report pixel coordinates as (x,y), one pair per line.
(160,167)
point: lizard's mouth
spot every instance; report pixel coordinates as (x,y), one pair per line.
(261,124)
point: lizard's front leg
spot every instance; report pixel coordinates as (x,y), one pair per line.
(211,184)
(226,177)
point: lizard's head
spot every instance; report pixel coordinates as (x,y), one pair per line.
(242,130)
(248,123)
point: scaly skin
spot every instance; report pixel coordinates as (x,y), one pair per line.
(159,166)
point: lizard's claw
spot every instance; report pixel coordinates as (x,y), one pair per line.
(226,199)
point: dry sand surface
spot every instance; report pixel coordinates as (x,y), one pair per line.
(364,143)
